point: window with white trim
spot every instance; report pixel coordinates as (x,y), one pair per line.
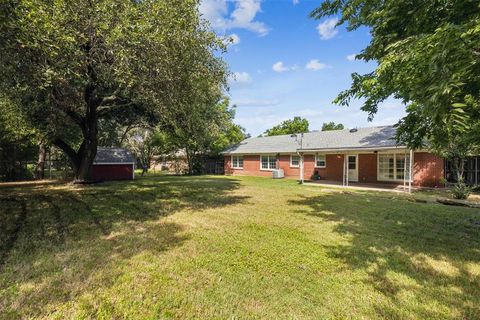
(268,162)
(237,162)
(393,166)
(320,161)
(294,160)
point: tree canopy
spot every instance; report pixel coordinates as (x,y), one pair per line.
(328,126)
(75,66)
(205,129)
(428,56)
(291,126)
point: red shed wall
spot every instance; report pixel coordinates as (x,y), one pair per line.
(112,172)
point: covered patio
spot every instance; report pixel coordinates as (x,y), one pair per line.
(392,187)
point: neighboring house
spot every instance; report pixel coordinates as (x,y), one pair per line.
(175,162)
(365,155)
(113,164)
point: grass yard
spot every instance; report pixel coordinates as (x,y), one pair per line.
(233,247)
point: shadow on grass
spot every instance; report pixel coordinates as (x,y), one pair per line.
(420,257)
(59,243)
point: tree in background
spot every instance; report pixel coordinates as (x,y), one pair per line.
(147,142)
(428,55)
(17,142)
(295,125)
(72,66)
(328,126)
(205,129)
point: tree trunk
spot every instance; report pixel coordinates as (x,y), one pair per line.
(82,160)
(88,149)
(459,168)
(188,155)
(40,169)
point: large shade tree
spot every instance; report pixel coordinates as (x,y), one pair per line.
(72,65)
(428,56)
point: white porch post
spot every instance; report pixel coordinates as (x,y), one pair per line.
(343,178)
(301,168)
(410,178)
(346,169)
(346,165)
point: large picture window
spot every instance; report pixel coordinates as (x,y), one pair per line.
(320,161)
(268,162)
(393,166)
(237,162)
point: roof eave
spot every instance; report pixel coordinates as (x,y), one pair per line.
(351,149)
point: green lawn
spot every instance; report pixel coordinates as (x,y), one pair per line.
(233,247)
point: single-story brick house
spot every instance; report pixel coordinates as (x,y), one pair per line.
(113,164)
(365,155)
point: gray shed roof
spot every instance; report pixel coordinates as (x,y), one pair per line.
(113,155)
(362,138)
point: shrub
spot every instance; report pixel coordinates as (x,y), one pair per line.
(461,190)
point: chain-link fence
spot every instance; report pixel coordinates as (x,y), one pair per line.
(22,170)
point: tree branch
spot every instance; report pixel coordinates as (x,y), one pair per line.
(69,151)
(76,117)
(107,111)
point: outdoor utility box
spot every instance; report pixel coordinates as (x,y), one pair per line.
(278,174)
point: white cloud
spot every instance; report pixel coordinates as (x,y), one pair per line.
(214,11)
(256,103)
(315,65)
(280,67)
(327,29)
(231,40)
(351,57)
(295,2)
(234,38)
(242,17)
(239,79)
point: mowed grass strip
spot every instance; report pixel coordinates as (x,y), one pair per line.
(234,247)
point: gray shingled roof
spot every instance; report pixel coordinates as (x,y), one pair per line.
(363,138)
(113,155)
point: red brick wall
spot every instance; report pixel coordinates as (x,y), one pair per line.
(111,172)
(251,167)
(428,170)
(309,166)
(367,168)
(284,164)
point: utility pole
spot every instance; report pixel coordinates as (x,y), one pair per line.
(296,135)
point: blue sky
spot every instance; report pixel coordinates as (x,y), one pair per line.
(286,64)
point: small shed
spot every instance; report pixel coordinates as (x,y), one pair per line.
(113,164)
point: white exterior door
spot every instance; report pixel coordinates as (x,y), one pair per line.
(352,164)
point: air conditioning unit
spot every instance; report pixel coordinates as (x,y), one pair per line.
(278,174)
